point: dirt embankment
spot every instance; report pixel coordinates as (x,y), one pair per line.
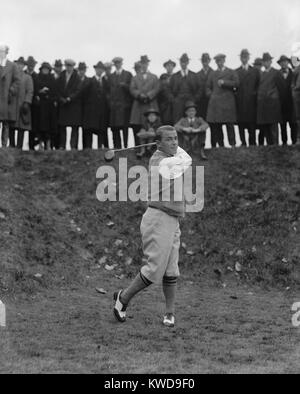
(54,232)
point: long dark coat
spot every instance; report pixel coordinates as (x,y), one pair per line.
(165,102)
(9,84)
(296,91)
(69,113)
(45,103)
(96,106)
(268,97)
(246,95)
(84,91)
(287,103)
(183,89)
(25,95)
(148,86)
(222,106)
(202,99)
(120,99)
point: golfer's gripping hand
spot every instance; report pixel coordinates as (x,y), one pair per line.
(175,166)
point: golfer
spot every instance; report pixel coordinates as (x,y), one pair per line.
(160,226)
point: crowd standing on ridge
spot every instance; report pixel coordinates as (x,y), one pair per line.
(253,97)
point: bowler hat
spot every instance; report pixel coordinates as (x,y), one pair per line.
(58,63)
(82,66)
(70,62)
(151,111)
(117,59)
(144,59)
(184,58)
(245,52)
(258,62)
(46,65)
(205,57)
(266,57)
(99,65)
(169,62)
(21,60)
(220,56)
(283,58)
(190,104)
(31,61)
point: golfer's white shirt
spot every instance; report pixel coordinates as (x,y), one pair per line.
(175,166)
(3,61)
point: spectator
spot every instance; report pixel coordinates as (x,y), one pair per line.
(193,129)
(202,75)
(120,102)
(45,97)
(57,70)
(69,85)
(23,106)
(87,136)
(94,120)
(33,134)
(221,87)
(268,102)
(165,98)
(246,98)
(287,104)
(9,85)
(184,87)
(144,88)
(296,95)
(148,132)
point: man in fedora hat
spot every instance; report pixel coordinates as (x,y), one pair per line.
(120,102)
(57,70)
(45,96)
(23,106)
(144,88)
(96,107)
(246,98)
(202,75)
(9,85)
(147,133)
(269,111)
(87,138)
(69,85)
(221,87)
(287,103)
(258,64)
(165,98)
(33,134)
(183,86)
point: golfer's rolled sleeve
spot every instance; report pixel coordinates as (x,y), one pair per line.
(161,243)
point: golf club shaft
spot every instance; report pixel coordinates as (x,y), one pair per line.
(135,147)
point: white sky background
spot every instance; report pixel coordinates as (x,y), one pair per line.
(94,30)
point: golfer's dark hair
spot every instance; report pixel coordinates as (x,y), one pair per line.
(160,131)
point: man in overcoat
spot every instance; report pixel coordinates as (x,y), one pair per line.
(120,102)
(184,88)
(287,104)
(202,75)
(87,136)
(33,134)
(22,107)
(296,95)
(68,85)
(144,88)
(269,109)
(9,85)
(165,97)
(246,98)
(221,87)
(94,119)
(57,70)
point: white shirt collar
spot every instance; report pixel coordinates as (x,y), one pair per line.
(184,73)
(3,62)
(118,72)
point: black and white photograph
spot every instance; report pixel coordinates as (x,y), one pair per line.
(149,190)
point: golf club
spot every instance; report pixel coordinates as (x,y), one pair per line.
(110,154)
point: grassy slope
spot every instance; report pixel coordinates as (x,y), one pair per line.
(251,199)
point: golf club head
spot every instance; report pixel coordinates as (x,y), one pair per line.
(109,155)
